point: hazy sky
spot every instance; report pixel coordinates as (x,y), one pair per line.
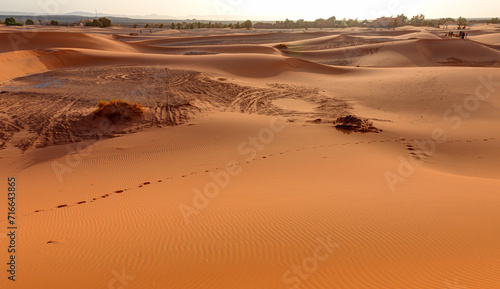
(270,9)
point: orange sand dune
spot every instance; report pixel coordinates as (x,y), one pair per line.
(205,48)
(417,35)
(493,38)
(201,38)
(46,40)
(424,52)
(256,65)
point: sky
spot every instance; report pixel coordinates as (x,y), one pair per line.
(263,9)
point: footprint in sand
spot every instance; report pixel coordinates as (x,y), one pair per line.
(82,202)
(62,206)
(53,242)
(119,191)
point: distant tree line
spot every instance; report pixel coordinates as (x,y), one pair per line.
(494,21)
(12,22)
(198,25)
(332,22)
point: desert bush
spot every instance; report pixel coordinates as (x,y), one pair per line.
(54,22)
(30,22)
(281,46)
(12,22)
(118,110)
(94,23)
(101,22)
(247,24)
(105,22)
(353,123)
(101,104)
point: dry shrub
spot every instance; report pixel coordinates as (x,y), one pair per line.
(356,124)
(281,46)
(118,110)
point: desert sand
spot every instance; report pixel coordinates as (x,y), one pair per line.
(235,175)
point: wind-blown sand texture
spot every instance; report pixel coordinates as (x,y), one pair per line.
(235,176)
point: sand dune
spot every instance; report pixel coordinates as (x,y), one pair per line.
(177,50)
(493,38)
(423,52)
(176,40)
(257,65)
(418,35)
(48,40)
(234,175)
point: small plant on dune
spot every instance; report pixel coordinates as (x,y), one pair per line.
(281,46)
(101,104)
(353,123)
(118,110)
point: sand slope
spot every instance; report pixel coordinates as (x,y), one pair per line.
(423,52)
(47,40)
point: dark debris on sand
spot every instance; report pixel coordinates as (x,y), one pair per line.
(355,124)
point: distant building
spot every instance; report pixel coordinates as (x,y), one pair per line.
(80,23)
